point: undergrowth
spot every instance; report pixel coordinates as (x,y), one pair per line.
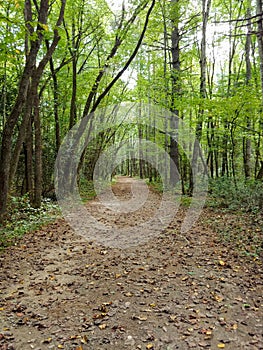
(242,195)
(23,218)
(239,209)
(88,191)
(236,212)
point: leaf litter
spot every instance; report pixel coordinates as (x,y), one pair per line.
(59,291)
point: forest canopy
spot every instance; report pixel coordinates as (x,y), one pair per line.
(63,60)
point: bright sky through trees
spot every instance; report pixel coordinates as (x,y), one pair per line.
(116,5)
(200,59)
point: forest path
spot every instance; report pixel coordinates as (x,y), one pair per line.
(60,291)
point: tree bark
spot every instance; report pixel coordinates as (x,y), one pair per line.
(30,75)
(206,4)
(175,74)
(246,139)
(260,40)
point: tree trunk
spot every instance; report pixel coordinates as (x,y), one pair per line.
(260,40)
(206,4)
(175,75)
(29,161)
(246,139)
(24,85)
(38,155)
(55,102)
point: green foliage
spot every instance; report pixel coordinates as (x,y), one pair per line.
(86,189)
(237,217)
(23,218)
(156,185)
(244,195)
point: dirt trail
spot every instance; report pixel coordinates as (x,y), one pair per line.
(60,291)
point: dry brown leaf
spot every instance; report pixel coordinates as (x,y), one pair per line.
(172,318)
(102,326)
(142,318)
(47,341)
(84,339)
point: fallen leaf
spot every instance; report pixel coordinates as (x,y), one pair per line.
(102,326)
(73,337)
(47,341)
(149,346)
(107,303)
(221,345)
(238,298)
(221,262)
(60,346)
(79,347)
(84,339)
(172,318)
(142,318)
(218,298)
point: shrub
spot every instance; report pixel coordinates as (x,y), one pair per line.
(23,218)
(244,195)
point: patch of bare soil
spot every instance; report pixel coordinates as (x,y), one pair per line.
(60,291)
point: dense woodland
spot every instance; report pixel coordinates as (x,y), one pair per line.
(62,59)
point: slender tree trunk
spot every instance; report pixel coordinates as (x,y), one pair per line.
(6,147)
(29,161)
(73,108)
(55,102)
(24,85)
(246,139)
(260,40)
(260,52)
(206,4)
(175,75)
(73,51)
(38,155)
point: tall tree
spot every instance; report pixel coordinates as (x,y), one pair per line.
(27,94)
(175,94)
(206,4)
